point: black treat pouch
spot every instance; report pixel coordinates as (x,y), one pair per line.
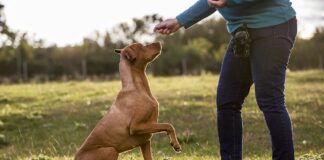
(241,42)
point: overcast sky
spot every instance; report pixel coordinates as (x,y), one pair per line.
(68,21)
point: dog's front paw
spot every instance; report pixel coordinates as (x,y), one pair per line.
(176,147)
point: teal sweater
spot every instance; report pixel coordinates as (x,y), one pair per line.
(253,13)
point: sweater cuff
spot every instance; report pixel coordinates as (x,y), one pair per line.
(183,22)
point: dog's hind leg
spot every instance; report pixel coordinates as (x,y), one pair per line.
(104,153)
(146,150)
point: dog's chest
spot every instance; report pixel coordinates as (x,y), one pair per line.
(151,101)
(152,109)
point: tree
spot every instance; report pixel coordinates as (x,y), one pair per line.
(24,55)
(218,55)
(169,62)
(89,46)
(195,54)
(5,32)
(214,30)
(7,47)
(318,39)
(140,30)
(2,19)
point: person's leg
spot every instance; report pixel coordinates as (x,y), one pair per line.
(233,86)
(271,48)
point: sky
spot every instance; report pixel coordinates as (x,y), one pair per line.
(67,22)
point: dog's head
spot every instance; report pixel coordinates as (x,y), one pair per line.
(140,55)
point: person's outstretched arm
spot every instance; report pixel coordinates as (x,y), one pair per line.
(195,13)
(200,10)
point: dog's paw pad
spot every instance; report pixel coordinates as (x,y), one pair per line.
(177,149)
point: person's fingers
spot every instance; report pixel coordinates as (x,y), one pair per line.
(161,25)
(167,27)
(157,30)
(165,31)
(157,27)
(160,31)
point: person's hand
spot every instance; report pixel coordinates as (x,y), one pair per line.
(217,3)
(167,26)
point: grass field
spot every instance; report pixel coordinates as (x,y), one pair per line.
(50,121)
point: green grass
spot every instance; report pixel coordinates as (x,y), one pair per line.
(50,121)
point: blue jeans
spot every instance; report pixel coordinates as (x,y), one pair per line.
(266,68)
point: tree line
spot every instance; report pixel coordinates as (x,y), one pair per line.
(197,50)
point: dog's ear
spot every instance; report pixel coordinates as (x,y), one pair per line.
(128,54)
(118,50)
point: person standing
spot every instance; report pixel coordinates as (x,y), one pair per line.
(263,34)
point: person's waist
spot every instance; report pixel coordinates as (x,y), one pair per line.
(266,31)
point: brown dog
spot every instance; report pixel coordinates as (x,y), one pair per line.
(133,117)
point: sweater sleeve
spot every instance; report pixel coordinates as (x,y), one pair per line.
(239,2)
(195,13)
